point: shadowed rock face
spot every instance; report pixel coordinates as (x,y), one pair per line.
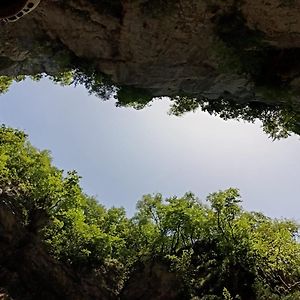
(210,48)
(152,281)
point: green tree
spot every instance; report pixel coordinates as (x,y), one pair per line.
(216,250)
(5,83)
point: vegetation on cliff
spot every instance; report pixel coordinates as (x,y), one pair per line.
(278,121)
(216,249)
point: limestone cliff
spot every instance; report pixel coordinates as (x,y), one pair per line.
(210,48)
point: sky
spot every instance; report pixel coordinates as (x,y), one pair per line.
(123,154)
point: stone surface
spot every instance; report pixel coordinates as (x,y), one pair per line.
(167,47)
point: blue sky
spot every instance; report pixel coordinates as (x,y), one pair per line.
(122,153)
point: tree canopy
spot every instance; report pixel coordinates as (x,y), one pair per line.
(216,248)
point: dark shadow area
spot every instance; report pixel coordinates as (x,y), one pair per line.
(111,7)
(11,7)
(267,65)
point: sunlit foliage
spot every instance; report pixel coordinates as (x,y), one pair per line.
(216,249)
(5,83)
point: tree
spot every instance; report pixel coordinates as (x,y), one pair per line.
(215,249)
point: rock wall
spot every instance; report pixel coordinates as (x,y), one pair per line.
(167,47)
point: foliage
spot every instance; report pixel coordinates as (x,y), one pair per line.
(244,51)
(226,295)
(30,173)
(64,78)
(278,121)
(94,81)
(217,250)
(5,83)
(137,98)
(238,50)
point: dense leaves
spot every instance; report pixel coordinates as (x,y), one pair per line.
(218,250)
(5,83)
(278,121)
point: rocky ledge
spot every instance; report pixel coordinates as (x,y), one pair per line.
(242,50)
